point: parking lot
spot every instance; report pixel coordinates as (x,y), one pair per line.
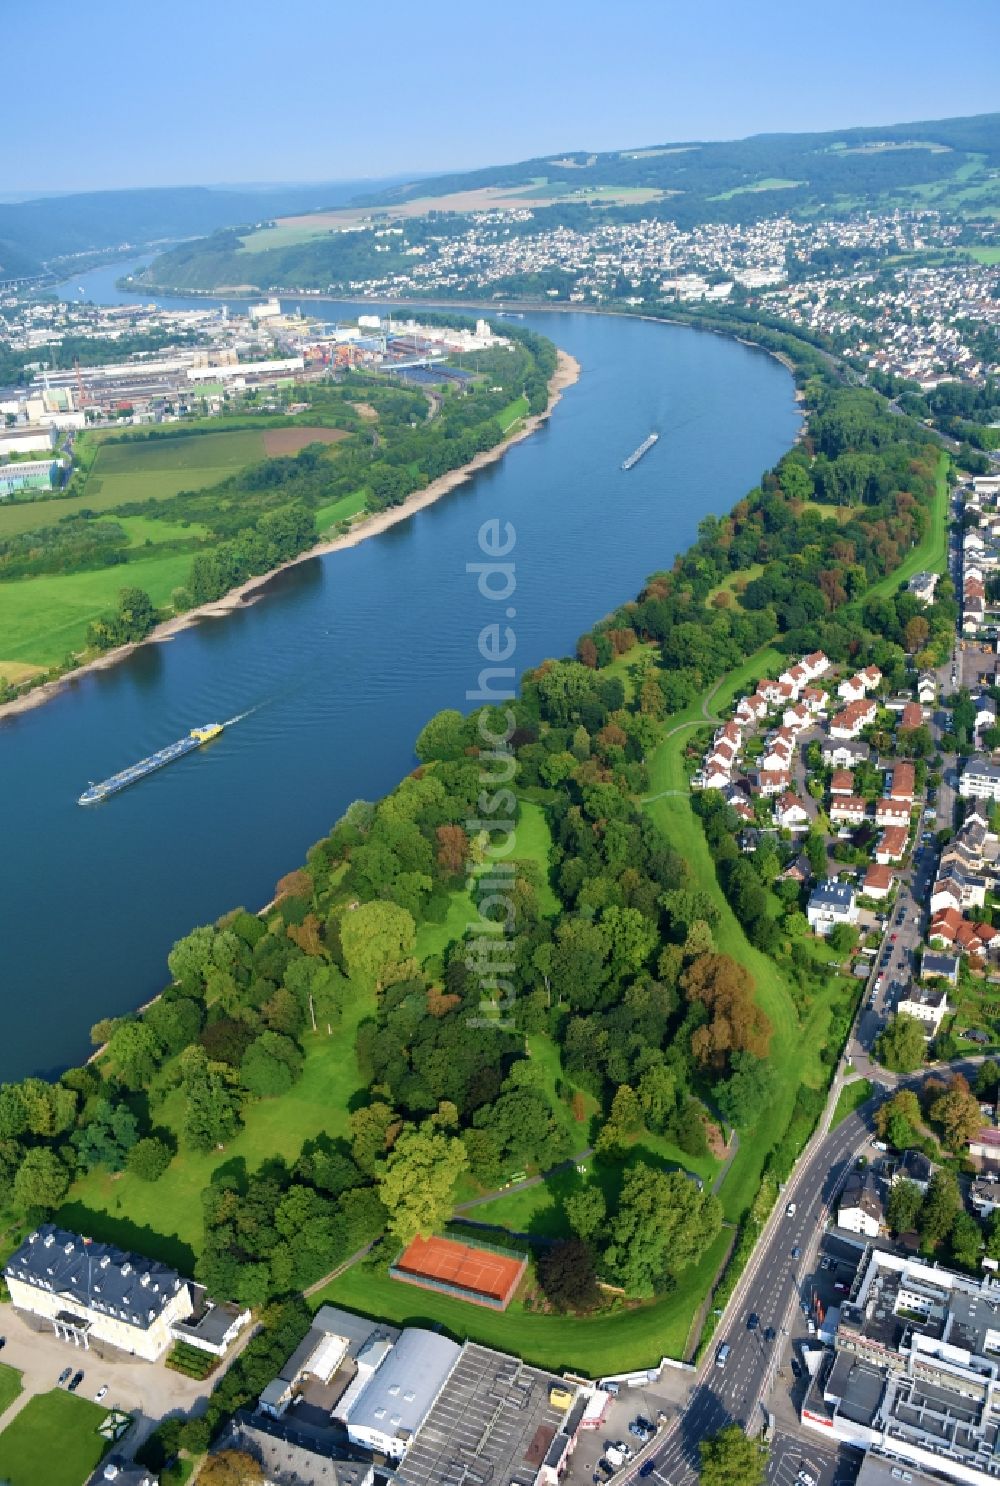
(658,1403)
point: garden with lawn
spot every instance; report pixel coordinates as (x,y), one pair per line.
(53,1440)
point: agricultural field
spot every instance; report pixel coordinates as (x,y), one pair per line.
(150,470)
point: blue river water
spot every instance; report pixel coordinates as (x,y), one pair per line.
(343,661)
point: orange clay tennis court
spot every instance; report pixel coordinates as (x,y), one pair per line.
(460,1269)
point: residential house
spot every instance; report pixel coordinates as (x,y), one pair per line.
(860,1208)
(892,845)
(798,717)
(984,1196)
(790,814)
(857,686)
(889,812)
(777,754)
(937,966)
(923,585)
(714,777)
(912,716)
(927,688)
(855,717)
(877,882)
(817,664)
(814,699)
(843,754)
(831,903)
(847,810)
(750,710)
(914,1167)
(903,782)
(984,1148)
(773,781)
(930,1007)
(842,782)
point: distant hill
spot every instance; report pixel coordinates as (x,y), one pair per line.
(950,164)
(34,232)
(948,159)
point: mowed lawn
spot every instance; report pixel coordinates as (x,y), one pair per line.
(151,470)
(10,1386)
(53,1441)
(163,1218)
(617,1341)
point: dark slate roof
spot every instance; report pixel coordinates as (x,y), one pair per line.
(832,894)
(96,1276)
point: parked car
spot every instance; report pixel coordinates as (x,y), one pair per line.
(64,1376)
(102,1392)
(805,1479)
(796,1367)
(75,1381)
(642,1429)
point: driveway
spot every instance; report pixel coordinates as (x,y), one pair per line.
(147,1390)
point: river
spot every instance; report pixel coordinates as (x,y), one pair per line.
(343,661)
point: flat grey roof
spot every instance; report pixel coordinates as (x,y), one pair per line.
(399,1395)
(492,1421)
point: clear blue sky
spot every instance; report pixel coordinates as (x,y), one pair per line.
(110,93)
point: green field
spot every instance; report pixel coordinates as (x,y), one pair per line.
(850,1098)
(931,552)
(769,183)
(796,1042)
(53,1441)
(612,1342)
(988,256)
(10,1386)
(153,469)
(340,510)
(43,619)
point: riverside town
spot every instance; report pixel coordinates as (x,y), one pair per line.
(500,735)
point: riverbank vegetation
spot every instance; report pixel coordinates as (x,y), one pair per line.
(186,511)
(536,988)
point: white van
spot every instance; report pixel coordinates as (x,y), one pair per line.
(722,1354)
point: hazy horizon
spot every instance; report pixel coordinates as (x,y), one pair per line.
(307,96)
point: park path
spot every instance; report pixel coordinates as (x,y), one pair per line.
(522,1186)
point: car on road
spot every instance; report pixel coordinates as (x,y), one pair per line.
(647,1468)
(753,1321)
(790,1210)
(893,938)
(796,1251)
(722,1354)
(64,1376)
(102,1392)
(75,1381)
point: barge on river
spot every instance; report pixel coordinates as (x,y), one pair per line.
(194,739)
(637,454)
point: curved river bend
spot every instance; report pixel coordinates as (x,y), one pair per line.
(344,660)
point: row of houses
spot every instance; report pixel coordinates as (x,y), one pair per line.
(967,871)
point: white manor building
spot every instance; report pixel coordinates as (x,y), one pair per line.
(96,1296)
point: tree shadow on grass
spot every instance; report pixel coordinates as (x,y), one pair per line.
(138,1238)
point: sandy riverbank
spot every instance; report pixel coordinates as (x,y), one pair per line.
(566,373)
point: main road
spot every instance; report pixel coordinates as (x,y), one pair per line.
(772,1285)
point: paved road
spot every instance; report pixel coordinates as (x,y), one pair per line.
(771,1288)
